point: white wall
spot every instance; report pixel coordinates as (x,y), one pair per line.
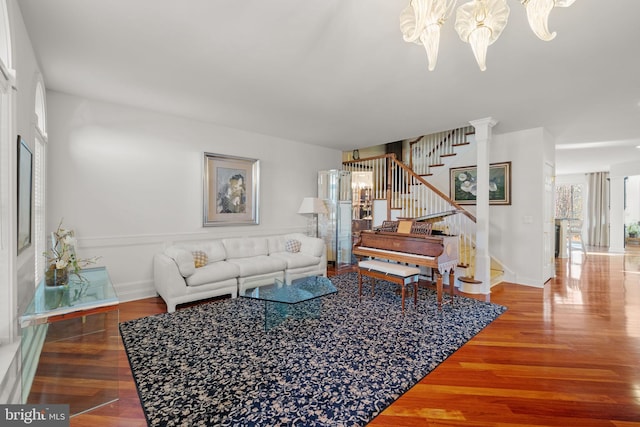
(575,178)
(516,231)
(129,182)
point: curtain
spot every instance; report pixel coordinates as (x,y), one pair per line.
(597,221)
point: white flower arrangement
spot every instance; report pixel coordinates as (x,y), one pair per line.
(63,252)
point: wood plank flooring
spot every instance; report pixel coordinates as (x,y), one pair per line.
(565,355)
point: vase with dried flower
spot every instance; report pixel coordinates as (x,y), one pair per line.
(62,258)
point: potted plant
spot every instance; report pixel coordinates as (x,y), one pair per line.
(633,229)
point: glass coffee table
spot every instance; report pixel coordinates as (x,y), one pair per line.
(300,299)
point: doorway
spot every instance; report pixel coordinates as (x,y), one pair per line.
(632,211)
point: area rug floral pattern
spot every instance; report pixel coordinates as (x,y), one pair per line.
(214,365)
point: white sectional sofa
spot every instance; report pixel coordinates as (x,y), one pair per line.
(229,266)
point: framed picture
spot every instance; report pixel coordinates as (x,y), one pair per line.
(231,189)
(463,184)
(25,168)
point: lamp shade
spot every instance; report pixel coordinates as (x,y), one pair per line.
(312,205)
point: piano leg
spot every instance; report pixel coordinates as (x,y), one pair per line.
(452,284)
(434,275)
(439,289)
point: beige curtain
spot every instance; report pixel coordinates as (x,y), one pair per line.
(597,221)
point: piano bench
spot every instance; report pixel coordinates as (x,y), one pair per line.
(395,273)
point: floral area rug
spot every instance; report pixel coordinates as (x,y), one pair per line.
(214,365)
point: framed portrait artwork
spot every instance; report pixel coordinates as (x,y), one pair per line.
(25,189)
(463,184)
(231,190)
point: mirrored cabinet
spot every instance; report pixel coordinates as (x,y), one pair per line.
(334,188)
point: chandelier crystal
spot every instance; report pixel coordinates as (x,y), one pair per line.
(538,15)
(420,23)
(478,22)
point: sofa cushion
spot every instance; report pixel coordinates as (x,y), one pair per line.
(310,245)
(277,244)
(200,258)
(213,272)
(293,245)
(297,260)
(183,258)
(261,264)
(247,247)
(216,251)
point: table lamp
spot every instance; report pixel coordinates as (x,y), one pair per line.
(312,206)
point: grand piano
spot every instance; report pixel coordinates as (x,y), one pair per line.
(412,243)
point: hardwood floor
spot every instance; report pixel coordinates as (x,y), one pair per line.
(564,355)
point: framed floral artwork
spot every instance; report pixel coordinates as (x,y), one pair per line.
(231,190)
(463,184)
(25,190)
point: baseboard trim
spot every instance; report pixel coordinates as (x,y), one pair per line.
(132,291)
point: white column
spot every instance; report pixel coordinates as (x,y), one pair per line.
(483,259)
(616,232)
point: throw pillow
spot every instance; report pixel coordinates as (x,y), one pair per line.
(200,258)
(183,259)
(293,245)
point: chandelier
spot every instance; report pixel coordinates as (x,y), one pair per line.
(478,22)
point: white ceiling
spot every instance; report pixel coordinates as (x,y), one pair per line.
(337,73)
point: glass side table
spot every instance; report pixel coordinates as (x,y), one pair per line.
(78,326)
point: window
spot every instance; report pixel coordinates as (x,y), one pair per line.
(5,37)
(39,182)
(569,201)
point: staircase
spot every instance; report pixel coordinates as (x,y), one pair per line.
(406,193)
(429,152)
